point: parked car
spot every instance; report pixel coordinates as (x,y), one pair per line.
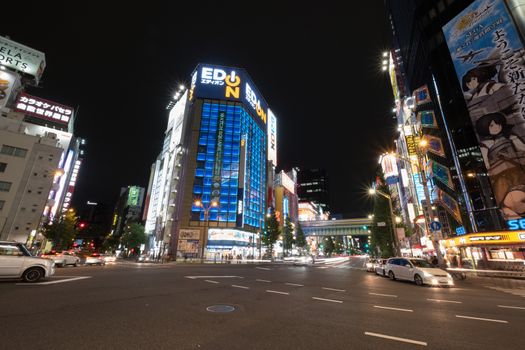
(371,265)
(63,258)
(380,267)
(94,259)
(419,271)
(16,262)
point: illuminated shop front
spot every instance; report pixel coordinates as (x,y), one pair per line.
(503,250)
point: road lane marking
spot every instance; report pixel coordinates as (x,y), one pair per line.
(196,277)
(330,300)
(384,295)
(322,267)
(482,319)
(243,287)
(512,307)
(263,268)
(258,280)
(404,340)
(393,308)
(295,284)
(54,282)
(446,301)
(276,292)
(334,289)
(210,281)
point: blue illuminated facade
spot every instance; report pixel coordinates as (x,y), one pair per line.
(230,166)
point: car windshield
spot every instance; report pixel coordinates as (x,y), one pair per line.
(420,263)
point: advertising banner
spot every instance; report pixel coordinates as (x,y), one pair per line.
(229,83)
(22,58)
(7,83)
(435,145)
(228,237)
(412,143)
(427,119)
(422,95)
(442,173)
(450,205)
(219,148)
(43,109)
(133,196)
(189,234)
(488,57)
(272,137)
(390,169)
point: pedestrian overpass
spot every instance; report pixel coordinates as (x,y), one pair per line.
(344,227)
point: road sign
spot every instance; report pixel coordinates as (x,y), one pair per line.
(435,226)
(381,224)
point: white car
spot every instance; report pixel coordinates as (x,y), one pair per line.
(95,259)
(417,270)
(16,262)
(62,259)
(380,267)
(304,260)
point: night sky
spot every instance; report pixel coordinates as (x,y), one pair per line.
(318,68)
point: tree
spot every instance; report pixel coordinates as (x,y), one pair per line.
(328,246)
(382,238)
(300,239)
(288,239)
(111,243)
(271,233)
(62,231)
(133,237)
(339,244)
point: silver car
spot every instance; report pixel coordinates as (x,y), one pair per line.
(16,262)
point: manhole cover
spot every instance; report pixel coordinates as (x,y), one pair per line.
(220,308)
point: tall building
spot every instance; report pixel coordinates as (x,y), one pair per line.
(312,186)
(456,69)
(128,209)
(286,200)
(36,135)
(208,189)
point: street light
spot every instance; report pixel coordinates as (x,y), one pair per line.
(372,192)
(212,204)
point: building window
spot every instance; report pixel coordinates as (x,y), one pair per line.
(2,205)
(5,186)
(2,167)
(13,151)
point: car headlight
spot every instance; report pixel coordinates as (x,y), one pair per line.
(426,274)
(449,276)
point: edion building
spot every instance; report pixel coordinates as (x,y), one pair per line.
(208,190)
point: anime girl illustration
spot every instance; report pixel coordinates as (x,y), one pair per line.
(479,82)
(504,156)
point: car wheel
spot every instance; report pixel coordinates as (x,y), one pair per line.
(33,274)
(384,273)
(63,264)
(418,280)
(75,264)
(391,275)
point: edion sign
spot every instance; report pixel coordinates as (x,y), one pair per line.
(44,109)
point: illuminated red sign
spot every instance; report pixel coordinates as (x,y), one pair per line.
(44,109)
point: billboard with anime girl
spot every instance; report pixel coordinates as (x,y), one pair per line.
(488,57)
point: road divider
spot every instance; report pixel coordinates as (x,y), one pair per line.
(404,340)
(384,295)
(334,289)
(445,301)
(242,287)
(276,292)
(392,308)
(295,284)
(481,319)
(512,307)
(329,300)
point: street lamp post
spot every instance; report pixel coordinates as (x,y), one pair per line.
(395,240)
(212,204)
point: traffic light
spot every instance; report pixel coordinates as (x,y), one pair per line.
(82,225)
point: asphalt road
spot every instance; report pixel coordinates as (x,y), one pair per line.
(277,306)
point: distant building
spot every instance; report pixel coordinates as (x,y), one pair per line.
(313,187)
(286,202)
(128,209)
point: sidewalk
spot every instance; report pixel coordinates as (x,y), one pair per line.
(491,273)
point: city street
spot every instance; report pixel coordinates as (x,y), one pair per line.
(276,306)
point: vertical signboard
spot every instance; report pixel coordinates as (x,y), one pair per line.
(216,184)
(272,138)
(133,196)
(488,57)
